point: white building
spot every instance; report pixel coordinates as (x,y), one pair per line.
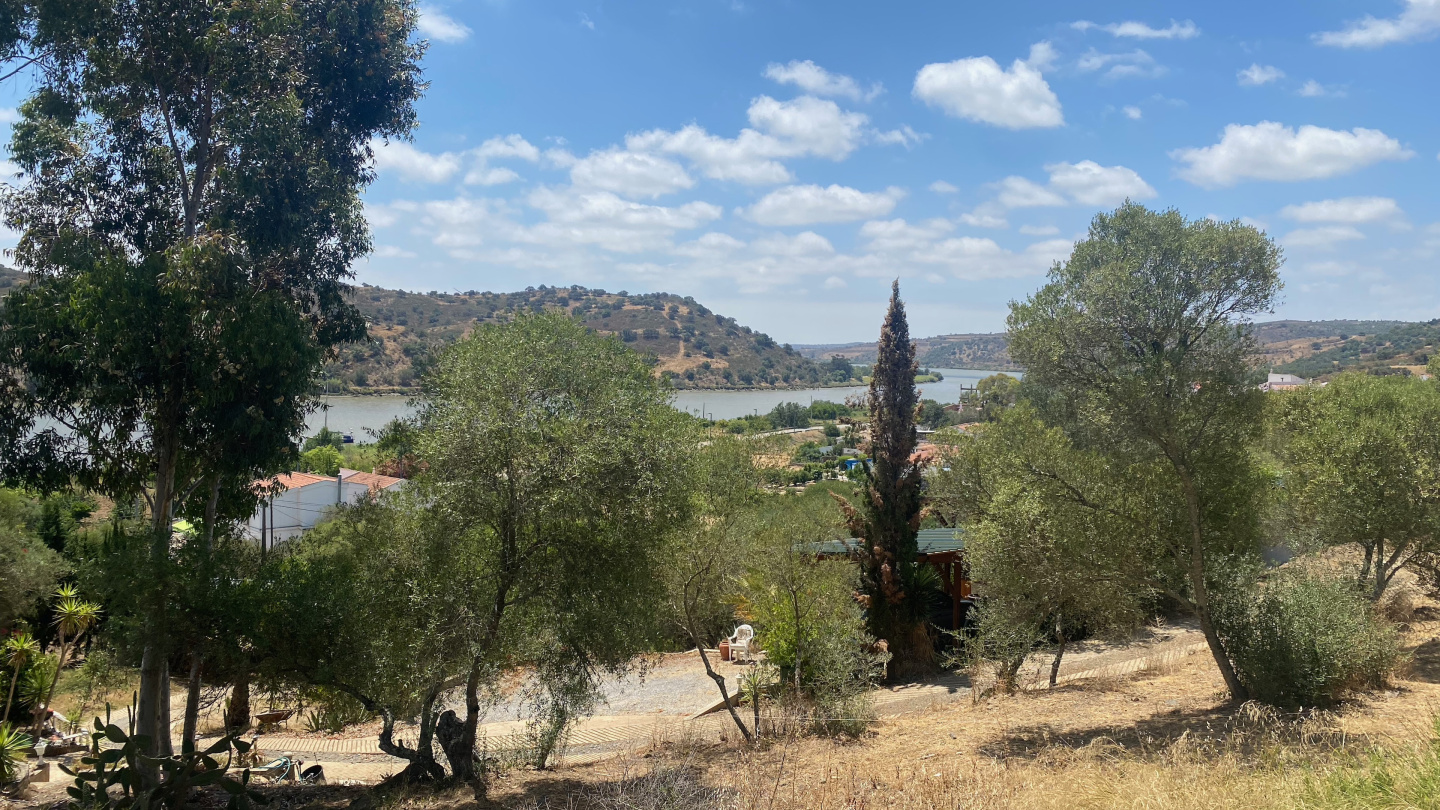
(1282,382)
(304,499)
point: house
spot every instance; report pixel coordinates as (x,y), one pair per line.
(942,550)
(300,500)
(1282,382)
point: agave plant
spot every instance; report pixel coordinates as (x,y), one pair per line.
(13,745)
(17,651)
(73,617)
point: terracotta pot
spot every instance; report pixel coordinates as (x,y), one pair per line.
(725,651)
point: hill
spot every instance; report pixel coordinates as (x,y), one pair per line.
(980,351)
(1396,350)
(1314,347)
(693,346)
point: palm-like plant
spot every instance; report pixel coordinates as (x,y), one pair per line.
(73,617)
(17,651)
(13,746)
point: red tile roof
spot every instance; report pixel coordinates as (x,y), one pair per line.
(374,481)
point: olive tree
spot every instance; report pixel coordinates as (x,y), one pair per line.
(1362,456)
(1143,339)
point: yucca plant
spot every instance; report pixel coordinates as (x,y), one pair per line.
(13,745)
(17,651)
(73,617)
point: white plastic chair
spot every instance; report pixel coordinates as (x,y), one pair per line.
(740,643)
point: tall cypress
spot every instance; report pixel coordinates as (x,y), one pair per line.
(888,514)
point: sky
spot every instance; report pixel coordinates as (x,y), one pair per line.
(782,162)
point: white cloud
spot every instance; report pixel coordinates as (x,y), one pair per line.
(1273,151)
(1140,30)
(508,146)
(713,245)
(807,243)
(897,243)
(9,115)
(412,164)
(835,283)
(904,136)
(392,252)
(978,89)
(435,24)
(1420,20)
(634,174)
(1314,89)
(942,187)
(485,176)
(1084,183)
(586,21)
(812,78)
(1039,230)
(808,205)
(1020,192)
(1324,238)
(1042,56)
(984,218)
(1258,74)
(1089,183)
(1133,113)
(1348,210)
(1135,64)
(806,126)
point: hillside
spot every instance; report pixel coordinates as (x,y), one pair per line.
(1314,347)
(1405,347)
(695,347)
(942,351)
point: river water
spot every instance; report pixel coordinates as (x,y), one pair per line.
(354,415)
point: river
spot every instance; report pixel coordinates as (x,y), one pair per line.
(354,415)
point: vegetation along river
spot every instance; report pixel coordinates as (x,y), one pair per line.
(354,415)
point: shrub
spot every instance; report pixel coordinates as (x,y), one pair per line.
(13,745)
(323,460)
(1306,640)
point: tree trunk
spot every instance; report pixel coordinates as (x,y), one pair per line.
(1059,653)
(191,733)
(457,739)
(237,714)
(153,710)
(422,767)
(50,692)
(724,692)
(1201,591)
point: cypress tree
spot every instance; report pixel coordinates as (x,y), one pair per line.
(888,514)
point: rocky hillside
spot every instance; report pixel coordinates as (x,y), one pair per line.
(690,344)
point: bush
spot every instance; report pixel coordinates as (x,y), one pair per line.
(323,460)
(790,415)
(1306,640)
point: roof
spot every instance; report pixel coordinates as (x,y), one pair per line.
(374,481)
(295,480)
(1285,379)
(928,541)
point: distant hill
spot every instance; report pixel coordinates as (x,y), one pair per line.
(1307,348)
(987,351)
(1397,349)
(693,346)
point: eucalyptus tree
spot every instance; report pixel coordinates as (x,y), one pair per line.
(188,212)
(1142,338)
(1362,458)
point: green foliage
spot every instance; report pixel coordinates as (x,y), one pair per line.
(14,745)
(1140,341)
(1306,640)
(1391,345)
(789,415)
(326,437)
(933,415)
(116,774)
(1361,456)
(332,710)
(323,460)
(1400,777)
(29,569)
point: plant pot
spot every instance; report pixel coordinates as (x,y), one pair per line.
(724,651)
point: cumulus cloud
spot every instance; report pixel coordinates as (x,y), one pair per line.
(1089,183)
(1419,20)
(1347,210)
(809,205)
(437,25)
(942,187)
(413,164)
(978,89)
(1314,89)
(1020,192)
(984,217)
(633,174)
(1136,64)
(1258,74)
(806,126)
(1133,113)
(928,245)
(816,80)
(1273,151)
(1140,30)
(1323,238)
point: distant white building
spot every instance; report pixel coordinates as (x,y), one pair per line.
(1283,382)
(304,499)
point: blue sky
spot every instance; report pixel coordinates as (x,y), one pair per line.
(783,161)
